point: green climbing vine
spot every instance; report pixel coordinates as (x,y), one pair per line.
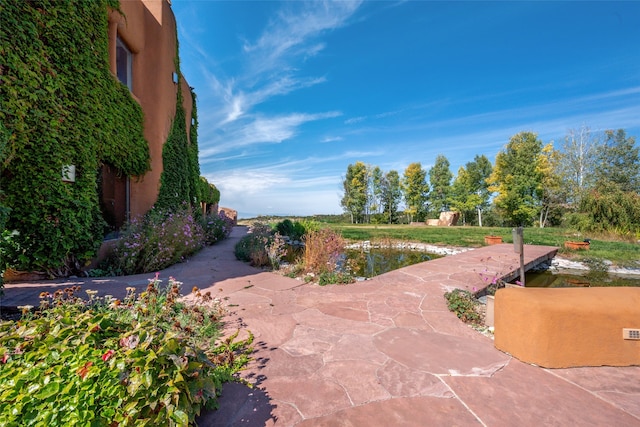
(61,106)
(206,192)
(176,189)
(181,184)
(209,193)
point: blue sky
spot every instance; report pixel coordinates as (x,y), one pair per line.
(290,93)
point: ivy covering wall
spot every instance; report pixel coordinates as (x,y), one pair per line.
(60,105)
(176,186)
(180,183)
(207,192)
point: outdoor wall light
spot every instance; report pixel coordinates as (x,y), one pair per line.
(69,173)
(174,76)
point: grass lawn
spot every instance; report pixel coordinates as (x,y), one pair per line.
(622,253)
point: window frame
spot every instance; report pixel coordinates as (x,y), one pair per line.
(121,46)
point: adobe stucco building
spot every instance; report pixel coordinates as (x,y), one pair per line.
(142,54)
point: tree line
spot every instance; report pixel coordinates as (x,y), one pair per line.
(591,182)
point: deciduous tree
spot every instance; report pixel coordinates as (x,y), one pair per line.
(416,191)
(375,176)
(552,193)
(479,171)
(463,199)
(517,179)
(577,163)
(391,195)
(355,184)
(440,179)
(618,162)
(470,190)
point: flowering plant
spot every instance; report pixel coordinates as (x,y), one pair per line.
(149,358)
(156,241)
(216,227)
(493,275)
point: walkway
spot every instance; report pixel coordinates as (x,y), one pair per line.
(384,352)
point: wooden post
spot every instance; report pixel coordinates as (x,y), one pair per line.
(518,247)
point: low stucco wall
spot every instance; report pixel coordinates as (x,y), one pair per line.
(570,327)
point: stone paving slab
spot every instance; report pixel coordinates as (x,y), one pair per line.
(384,352)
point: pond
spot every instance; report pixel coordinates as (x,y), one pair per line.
(549,279)
(374,261)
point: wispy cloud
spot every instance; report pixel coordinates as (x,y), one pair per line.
(270,66)
(292,34)
(238,102)
(261,129)
(332,139)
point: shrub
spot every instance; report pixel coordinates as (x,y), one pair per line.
(261,247)
(309,225)
(276,249)
(216,228)
(252,247)
(293,230)
(610,210)
(323,251)
(464,305)
(335,277)
(149,359)
(156,241)
(247,245)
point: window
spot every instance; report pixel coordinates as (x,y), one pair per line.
(124,60)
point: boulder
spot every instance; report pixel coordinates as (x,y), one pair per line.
(448,219)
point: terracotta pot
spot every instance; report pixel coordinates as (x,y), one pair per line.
(576,245)
(492,240)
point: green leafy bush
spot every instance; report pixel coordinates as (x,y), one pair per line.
(464,305)
(610,210)
(253,247)
(146,360)
(294,230)
(334,277)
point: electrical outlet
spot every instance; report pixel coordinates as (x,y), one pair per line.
(630,334)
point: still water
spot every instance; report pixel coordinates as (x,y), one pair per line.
(548,279)
(375,261)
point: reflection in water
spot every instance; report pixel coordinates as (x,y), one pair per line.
(548,279)
(375,261)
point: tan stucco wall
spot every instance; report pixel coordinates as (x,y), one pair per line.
(148,27)
(569,327)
